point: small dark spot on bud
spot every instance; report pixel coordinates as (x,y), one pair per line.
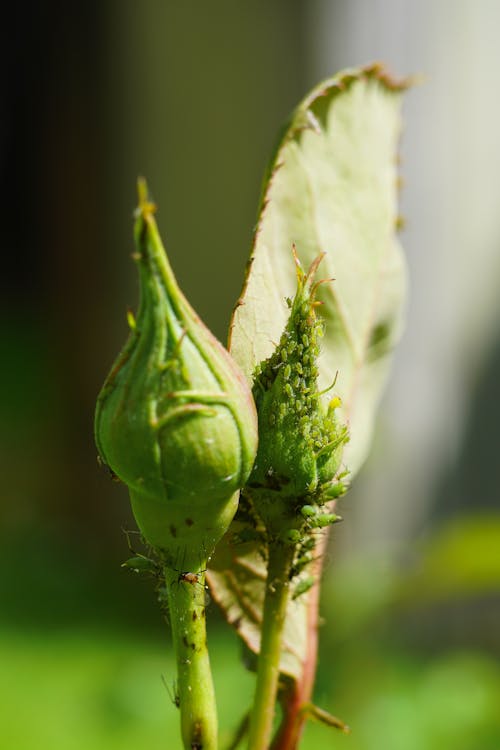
(189,521)
(185,641)
(194,616)
(173,530)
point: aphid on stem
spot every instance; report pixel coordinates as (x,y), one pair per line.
(172,694)
(140,563)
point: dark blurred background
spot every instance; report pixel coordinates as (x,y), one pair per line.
(192,95)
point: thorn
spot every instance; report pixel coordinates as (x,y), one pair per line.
(319,714)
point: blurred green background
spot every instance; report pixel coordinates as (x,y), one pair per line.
(192,95)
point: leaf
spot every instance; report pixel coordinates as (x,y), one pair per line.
(237,578)
(332,188)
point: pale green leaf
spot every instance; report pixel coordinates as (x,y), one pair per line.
(331,188)
(237,578)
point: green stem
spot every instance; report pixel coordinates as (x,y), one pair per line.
(275,603)
(186,600)
(300,691)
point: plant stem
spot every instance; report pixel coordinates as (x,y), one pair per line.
(186,600)
(275,603)
(300,692)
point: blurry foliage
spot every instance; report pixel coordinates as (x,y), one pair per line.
(377,670)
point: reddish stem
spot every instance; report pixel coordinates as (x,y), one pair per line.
(300,692)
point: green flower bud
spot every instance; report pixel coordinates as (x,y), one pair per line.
(175,419)
(300,439)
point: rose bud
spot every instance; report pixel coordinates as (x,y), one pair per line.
(175,419)
(300,439)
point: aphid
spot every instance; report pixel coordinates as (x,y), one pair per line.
(174,693)
(111,473)
(336,490)
(140,563)
(300,563)
(308,544)
(187,577)
(292,536)
(308,511)
(192,578)
(326,519)
(304,585)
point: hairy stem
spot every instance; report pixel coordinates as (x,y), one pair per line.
(275,603)
(300,692)
(186,600)
(299,695)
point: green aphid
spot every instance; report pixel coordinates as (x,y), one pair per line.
(142,564)
(336,490)
(308,544)
(291,536)
(300,563)
(324,520)
(303,586)
(308,511)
